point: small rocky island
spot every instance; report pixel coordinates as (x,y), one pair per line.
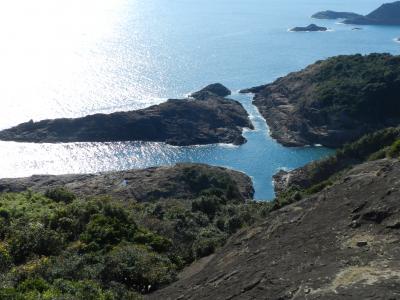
(333,15)
(332,102)
(311,27)
(205,118)
(211,90)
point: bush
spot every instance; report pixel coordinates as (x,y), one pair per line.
(103,231)
(60,194)
(34,239)
(394,150)
(208,205)
(138,267)
(5,259)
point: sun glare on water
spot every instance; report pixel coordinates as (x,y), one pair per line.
(41,47)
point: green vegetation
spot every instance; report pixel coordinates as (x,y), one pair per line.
(356,86)
(384,143)
(56,246)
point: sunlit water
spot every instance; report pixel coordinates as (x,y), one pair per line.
(69,58)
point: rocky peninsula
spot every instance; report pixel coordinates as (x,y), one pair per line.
(141,185)
(311,27)
(332,102)
(333,15)
(387,14)
(205,118)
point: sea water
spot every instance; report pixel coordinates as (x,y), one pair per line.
(70,58)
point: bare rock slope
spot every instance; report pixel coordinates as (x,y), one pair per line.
(341,243)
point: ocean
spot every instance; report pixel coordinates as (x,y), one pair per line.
(70,58)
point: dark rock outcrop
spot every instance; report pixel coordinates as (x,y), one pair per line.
(333,15)
(341,243)
(387,14)
(311,27)
(136,185)
(177,122)
(332,102)
(216,89)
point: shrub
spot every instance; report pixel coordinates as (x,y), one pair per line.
(208,205)
(60,194)
(34,239)
(104,231)
(138,267)
(394,150)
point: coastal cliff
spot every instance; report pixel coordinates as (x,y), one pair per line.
(211,119)
(332,102)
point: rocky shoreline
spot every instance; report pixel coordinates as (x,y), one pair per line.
(206,118)
(141,185)
(305,107)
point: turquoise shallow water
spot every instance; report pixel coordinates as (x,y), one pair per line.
(69,58)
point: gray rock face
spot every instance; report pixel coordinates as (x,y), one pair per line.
(134,185)
(341,243)
(333,15)
(216,89)
(177,122)
(387,14)
(311,27)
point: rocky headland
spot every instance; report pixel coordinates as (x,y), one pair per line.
(141,185)
(333,15)
(309,28)
(206,118)
(386,14)
(332,102)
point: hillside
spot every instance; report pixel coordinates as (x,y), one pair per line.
(340,243)
(332,102)
(57,245)
(387,14)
